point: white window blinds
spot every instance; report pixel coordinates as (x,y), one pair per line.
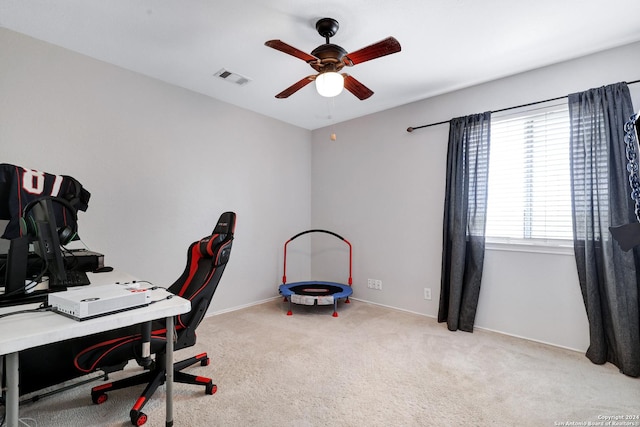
(529,179)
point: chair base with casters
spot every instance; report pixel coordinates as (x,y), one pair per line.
(154,378)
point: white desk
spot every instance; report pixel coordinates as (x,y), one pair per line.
(23,331)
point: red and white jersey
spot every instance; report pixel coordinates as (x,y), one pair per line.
(19,186)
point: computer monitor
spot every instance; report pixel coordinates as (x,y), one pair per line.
(47,244)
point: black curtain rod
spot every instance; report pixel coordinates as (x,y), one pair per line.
(411,129)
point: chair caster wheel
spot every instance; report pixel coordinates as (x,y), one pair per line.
(99,398)
(138,418)
(211,388)
(205,362)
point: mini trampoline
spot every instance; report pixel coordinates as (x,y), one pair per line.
(315,292)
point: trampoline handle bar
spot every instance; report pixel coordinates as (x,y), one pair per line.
(284,270)
(317,231)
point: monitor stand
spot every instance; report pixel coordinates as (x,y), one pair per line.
(16,268)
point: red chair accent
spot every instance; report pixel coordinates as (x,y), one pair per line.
(206,261)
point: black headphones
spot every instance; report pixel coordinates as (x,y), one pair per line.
(66,233)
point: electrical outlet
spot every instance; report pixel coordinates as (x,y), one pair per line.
(374,284)
(427,293)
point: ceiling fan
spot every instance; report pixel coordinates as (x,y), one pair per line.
(328,59)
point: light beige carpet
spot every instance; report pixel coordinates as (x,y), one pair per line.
(371,366)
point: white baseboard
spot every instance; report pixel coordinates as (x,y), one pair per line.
(240,307)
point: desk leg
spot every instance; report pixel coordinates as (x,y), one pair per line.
(169,367)
(12,402)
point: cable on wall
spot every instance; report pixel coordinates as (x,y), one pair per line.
(411,129)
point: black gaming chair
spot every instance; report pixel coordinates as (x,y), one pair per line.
(206,261)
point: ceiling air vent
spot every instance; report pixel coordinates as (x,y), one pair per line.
(232,77)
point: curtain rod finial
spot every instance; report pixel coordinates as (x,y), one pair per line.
(409,129)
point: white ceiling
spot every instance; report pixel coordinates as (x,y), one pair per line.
(446,44)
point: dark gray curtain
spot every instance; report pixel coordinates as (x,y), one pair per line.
(608,275)
(465,210)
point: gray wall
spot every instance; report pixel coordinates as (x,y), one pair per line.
(383,189)
(162,163)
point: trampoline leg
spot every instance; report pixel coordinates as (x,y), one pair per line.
(348,301)
(289,313)
(335,307)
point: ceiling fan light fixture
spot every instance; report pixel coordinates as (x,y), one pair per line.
(329,84)
(328,59)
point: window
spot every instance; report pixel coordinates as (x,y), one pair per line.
(529,198)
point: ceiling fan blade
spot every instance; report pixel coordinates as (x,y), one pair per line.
(283,47)
(296,87)
(383,47)
(355,87)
